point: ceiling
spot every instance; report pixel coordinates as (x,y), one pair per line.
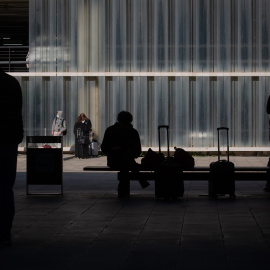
(14,22)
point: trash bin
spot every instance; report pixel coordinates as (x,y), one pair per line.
(44,164)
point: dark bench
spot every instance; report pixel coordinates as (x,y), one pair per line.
(198,173)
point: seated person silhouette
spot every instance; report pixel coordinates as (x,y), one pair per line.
(121,144)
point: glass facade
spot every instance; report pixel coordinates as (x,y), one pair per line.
(192,64)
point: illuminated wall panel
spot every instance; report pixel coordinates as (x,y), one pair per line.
(90,37)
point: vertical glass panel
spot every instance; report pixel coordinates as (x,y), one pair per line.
(222,41)
(101,108)
(102,36)
(93,35)
(143,108)
(80,43)
(90,100)
(182,33)
(263,34)
(160,35)
(201,36)
(244,36)
(32,35)
(75,34)
(115,53)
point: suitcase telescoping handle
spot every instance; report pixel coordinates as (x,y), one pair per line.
(227,131)
(159,143)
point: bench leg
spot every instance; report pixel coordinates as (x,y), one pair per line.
(124,185)
(267,186)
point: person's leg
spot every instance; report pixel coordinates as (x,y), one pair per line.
(124,183)
(57,145)
(135,168)
(267,186)
(8,165)
(85,150)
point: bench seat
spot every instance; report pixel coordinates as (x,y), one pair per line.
(199,173)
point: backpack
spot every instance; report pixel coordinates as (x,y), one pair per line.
(65,131)
(152,159)
(183,158)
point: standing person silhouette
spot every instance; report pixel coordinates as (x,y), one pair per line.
(86,128)
(10,136)
(122,144)
(78,129)
(267,186)
(59,126)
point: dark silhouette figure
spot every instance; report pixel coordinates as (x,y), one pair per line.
(78,128)
(267,187)
(59,126)
(121,144)
(10,136)
(86,128)
(87,123)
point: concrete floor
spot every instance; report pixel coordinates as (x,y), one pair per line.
(90,228)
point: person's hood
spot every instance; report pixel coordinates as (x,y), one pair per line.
(60,113)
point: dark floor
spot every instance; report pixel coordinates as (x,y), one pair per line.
(90,228)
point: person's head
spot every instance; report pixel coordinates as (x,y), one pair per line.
(59,114)
(83,116)
(79,119)
(124,118)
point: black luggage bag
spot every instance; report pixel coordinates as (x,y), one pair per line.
(222,180)
(83,146)
(169,175)
(80,151)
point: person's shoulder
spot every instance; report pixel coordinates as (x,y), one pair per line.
(112,128)
(9,78)
(135,130)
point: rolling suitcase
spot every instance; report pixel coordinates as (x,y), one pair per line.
(169,175)
(221,180)
(93,148)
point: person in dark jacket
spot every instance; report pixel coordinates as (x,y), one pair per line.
(78,128)
(10,136)
(86,128)
(87,124)
(267,186)
(122,145)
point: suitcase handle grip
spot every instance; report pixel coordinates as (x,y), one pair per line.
(222,128)
(163,126)
(227,131)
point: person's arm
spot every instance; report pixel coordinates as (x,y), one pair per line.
(53,126)
(75,130)
(105,145)
(63,127)
(89,124)
(137,148)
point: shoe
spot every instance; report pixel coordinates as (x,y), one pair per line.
(5,242)
(144,184)
(122,194)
